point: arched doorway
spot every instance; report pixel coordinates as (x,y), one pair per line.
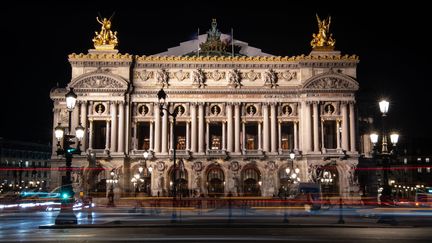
(215,181)
(96,183)
(181,181)
(251,179)
(141,179)
(328,177)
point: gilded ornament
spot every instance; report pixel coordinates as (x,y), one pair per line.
(323,40)
(105,39)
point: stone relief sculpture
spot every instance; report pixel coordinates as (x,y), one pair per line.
(162,78)
(99,82)
(144,75)
(270,79)
(198,78)
(287,75)
(330,83)
(234,79)
(180,75)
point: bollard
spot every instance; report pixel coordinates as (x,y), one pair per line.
(341,221)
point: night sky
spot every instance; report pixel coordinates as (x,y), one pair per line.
(392,42)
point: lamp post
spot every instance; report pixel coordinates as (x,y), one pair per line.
(162,106)
(111,182)
(292,175)
(145,173)
(66,215)
(384,154)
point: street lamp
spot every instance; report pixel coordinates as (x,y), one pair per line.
(66,215)
(111,182)
(162,106)
(145,172)
(384,154)
(292,177)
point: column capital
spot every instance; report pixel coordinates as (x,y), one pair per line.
(344,102)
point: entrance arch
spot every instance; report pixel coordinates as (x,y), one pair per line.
(181,176)
(215,181)
(328,176)
(251,179)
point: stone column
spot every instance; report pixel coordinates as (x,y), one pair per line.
(107,135)
(201,134)
(207,136)
(89,113)
(308,130)
(90,145)
(280,136)
(127,127)
(135,137)
(237,128)
(113,127)
(157,129)
(187,136)
(315,127)
(121,137)
(151,136)
(322,135)
(344,126)
(259,136)
(83,122)
(164,145)
(172,143)
(230,138)
(194,137)
(352,127)
(266,142)
(55,123)
(223,135)
(273,128)
(243,135)
(295,135)
(338,134)
(75,118)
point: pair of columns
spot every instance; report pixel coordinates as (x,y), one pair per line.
(115,126)
(197,135)
(311,131)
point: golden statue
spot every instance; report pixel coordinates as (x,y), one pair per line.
(105,39)
(324,39)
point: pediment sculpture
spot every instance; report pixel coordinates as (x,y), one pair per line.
(331,83)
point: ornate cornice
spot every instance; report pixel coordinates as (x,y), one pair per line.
(100,59)
(100,56)
(244,58)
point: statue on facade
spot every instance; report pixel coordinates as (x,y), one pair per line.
(105,39)
(270,79)
(234,79)
(198,78)
(162,78)
(214,45)
(323,39)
